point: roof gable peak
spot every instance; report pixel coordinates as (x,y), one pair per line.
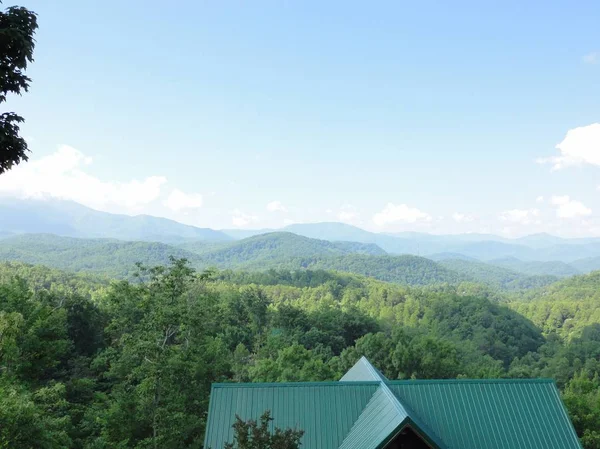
(363,370)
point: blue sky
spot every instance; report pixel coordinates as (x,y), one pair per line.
(425,116)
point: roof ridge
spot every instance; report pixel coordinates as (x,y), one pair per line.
(378,419)
(471,381)
(332,383)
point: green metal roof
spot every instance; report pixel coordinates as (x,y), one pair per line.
(384,415)
(325,411)
(366,411)
(487,414)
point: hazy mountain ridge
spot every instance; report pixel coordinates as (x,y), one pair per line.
(71,219)
(259,253)
(281,250)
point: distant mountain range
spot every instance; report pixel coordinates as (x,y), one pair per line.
(278,250)
(117,258)
(70,219)
(539,254)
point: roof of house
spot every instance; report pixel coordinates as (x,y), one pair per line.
(364,410)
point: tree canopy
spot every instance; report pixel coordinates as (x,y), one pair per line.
(17,28)
(89,363)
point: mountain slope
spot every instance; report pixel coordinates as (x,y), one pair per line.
(259,253)
(111,257)
(438,257)
(569,308)
(577,288)
(497,276)
(534,267)
(275,248)
(407,269)
(71,219)
(344,232)
(587,265)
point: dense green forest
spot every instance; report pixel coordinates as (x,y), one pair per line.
(115,258)
(275,246)
(503,278)
(537,268)
(280,250)
(90,363)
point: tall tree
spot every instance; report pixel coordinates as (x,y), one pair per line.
(17,28)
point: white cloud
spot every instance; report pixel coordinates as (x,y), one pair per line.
(288,221)
(276,206)
(462,218)
(539,199)
(241,219)
(178,200)
(592,58)
(580,146)
(63,175)
(568,208)
(348,214)
(400,213)
(520,216)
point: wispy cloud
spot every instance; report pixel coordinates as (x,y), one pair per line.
(462,218)
(520,216)
(276,206)
(348,214)
(178,200)
(592,58)
(399,213)
(242,219)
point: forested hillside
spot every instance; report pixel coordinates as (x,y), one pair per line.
(537,268)
(586,265)
(496,276)
(275,247)
(570,307)
(90,364)
(114,258)
(411,270)
(276,250)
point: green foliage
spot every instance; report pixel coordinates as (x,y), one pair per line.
(113,258)
(566,307)
(503,278)
(538,268)
(409,270)
(582,398)
(89,364)
(267,256)
(273,248)
(256,435)
(32,421)
(17,28)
